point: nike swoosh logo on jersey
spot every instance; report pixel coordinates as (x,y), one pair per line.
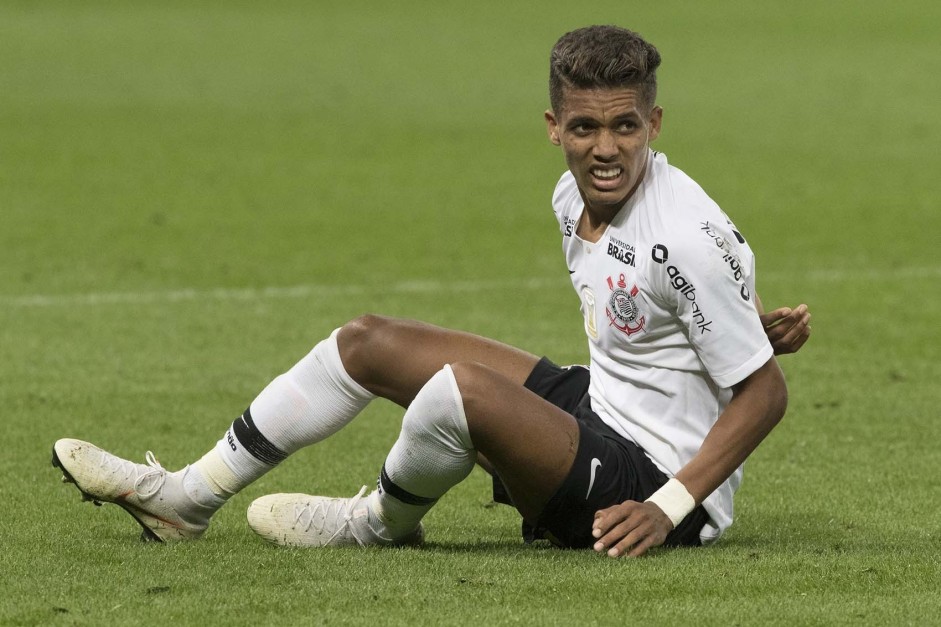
(595,465)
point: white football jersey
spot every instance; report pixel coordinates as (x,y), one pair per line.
(667,299)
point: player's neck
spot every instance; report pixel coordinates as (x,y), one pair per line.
(595,219)
(594,223)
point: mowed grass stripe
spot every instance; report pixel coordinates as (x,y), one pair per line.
(293,291)
(405,287)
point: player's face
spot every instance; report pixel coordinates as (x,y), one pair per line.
(605,134)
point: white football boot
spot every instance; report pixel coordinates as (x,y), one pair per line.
(305,520)
(153,496)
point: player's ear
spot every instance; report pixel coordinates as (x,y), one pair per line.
(655,121)
(552,127)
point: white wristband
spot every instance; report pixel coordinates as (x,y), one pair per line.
(674,499)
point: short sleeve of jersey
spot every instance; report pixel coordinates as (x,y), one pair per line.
(565,199)
(705,273)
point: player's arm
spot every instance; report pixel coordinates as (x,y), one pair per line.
(787,329)
(758,404)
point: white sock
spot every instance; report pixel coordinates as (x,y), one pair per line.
(433,453)
(308,403)
(203,489)
(311,401)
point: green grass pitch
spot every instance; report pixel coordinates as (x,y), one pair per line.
(192,194)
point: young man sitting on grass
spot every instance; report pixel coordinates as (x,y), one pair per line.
(643,447)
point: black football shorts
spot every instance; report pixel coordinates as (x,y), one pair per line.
(608,468)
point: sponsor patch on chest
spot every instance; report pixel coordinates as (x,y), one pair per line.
(621,251)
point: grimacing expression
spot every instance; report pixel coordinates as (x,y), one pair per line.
(605,134)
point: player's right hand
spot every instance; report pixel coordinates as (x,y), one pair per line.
(630,528)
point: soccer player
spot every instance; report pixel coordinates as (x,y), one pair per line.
(643,447)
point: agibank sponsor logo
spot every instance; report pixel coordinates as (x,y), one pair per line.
(684,286)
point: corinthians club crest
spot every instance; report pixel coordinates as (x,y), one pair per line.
(622,309)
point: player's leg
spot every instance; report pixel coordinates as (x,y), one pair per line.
(326,389)
(367,357)
(307,403)
(394,358)
(530,442)
(458,412)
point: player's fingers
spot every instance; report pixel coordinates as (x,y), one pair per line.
(615,544)
(797,330)
(777,332)
(604,518)
(771,317)
(607,518)
(624,545)
(800,315)
(784,316)
(644,545)
(801,340)
(788,338)
(601,530)
(644,536)
(616,534)
(794,317)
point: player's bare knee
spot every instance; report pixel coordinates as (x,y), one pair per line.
(468,377)
(358,341)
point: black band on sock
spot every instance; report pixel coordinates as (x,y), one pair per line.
(386,485)
(254,442)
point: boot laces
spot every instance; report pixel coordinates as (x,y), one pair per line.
(146,483)
(326,514)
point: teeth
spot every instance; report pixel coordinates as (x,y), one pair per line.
(607,174)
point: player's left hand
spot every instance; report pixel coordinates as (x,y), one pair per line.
(630,528)
(788,329)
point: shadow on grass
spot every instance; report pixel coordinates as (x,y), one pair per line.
(491,546)
(830,533)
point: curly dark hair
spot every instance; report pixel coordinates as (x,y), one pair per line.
(602,57)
